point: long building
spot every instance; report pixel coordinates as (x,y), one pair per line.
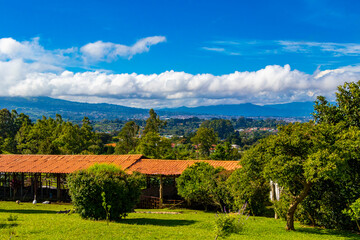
(44,176)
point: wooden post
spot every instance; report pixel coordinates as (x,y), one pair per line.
(41,188)
(58,193)
(161,191)
(4,185)
(22,186)
(10,190)
(32,184)
(35,186)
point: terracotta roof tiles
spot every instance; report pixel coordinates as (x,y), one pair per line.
(71,163)
(176,167)
(60,163)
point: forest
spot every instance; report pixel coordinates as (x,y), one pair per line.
(316,164)
(155,138)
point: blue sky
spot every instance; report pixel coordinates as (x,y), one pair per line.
(174,53)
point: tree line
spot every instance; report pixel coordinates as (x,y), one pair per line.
(316,164)
(205,139)
(18,134)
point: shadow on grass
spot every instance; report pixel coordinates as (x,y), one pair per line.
(8,225)
(327,232)
(27,211)
(157,222)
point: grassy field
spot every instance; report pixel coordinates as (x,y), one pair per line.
(41,221)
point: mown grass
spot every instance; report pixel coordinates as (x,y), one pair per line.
(41,221)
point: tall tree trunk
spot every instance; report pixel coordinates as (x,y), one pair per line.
(291,211)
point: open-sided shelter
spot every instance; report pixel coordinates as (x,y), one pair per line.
(43,176)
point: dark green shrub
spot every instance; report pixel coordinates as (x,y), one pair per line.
(354,212)
(203,184)
(248,184)
(325,204)
(122,191)
(254,191)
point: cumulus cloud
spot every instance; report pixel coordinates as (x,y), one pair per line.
(32,52)
(27,69)
(107,51)
(273,84)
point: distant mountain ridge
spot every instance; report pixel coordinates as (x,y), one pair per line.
(295,109)
(36,107)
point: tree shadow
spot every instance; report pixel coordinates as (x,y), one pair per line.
(28,211)
(326,232)
(8,225)
(157,222)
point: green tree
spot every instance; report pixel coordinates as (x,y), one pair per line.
(224,151)
(347,108)
(70,139)
(222,127)
(203,184)
(7,123)
(127,138)
(302,155)
(325,203)
(87,188)
(39,138)
(205,138)
(154,146)
(153,123)
(10,123)
(248,184)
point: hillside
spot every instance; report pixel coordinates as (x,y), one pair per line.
(36,107)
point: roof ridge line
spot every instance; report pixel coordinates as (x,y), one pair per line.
(137,160)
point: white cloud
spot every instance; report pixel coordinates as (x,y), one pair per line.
(32,51)
(214,49)
(273,84)
(54,60)
(282,46)
(107,51)
(27,69)
(339,49)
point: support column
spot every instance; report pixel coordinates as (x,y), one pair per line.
(4,185)
(35,186)
(32,184)
(58,193)
(41,188)
(10,185)
(161,191)
(22,186)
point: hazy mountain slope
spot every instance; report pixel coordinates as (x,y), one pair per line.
(296,109)
(36,107)
(39,106)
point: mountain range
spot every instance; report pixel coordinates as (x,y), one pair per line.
(36,107)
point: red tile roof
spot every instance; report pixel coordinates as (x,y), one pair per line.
(175,167)
(111,144)
(60,163)
(71,163)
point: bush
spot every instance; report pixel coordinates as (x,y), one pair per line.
(246,188)
(87,188)
(229,223)
(354,212)
(324,205)
(203,184)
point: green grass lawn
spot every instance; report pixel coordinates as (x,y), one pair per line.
(41,221)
